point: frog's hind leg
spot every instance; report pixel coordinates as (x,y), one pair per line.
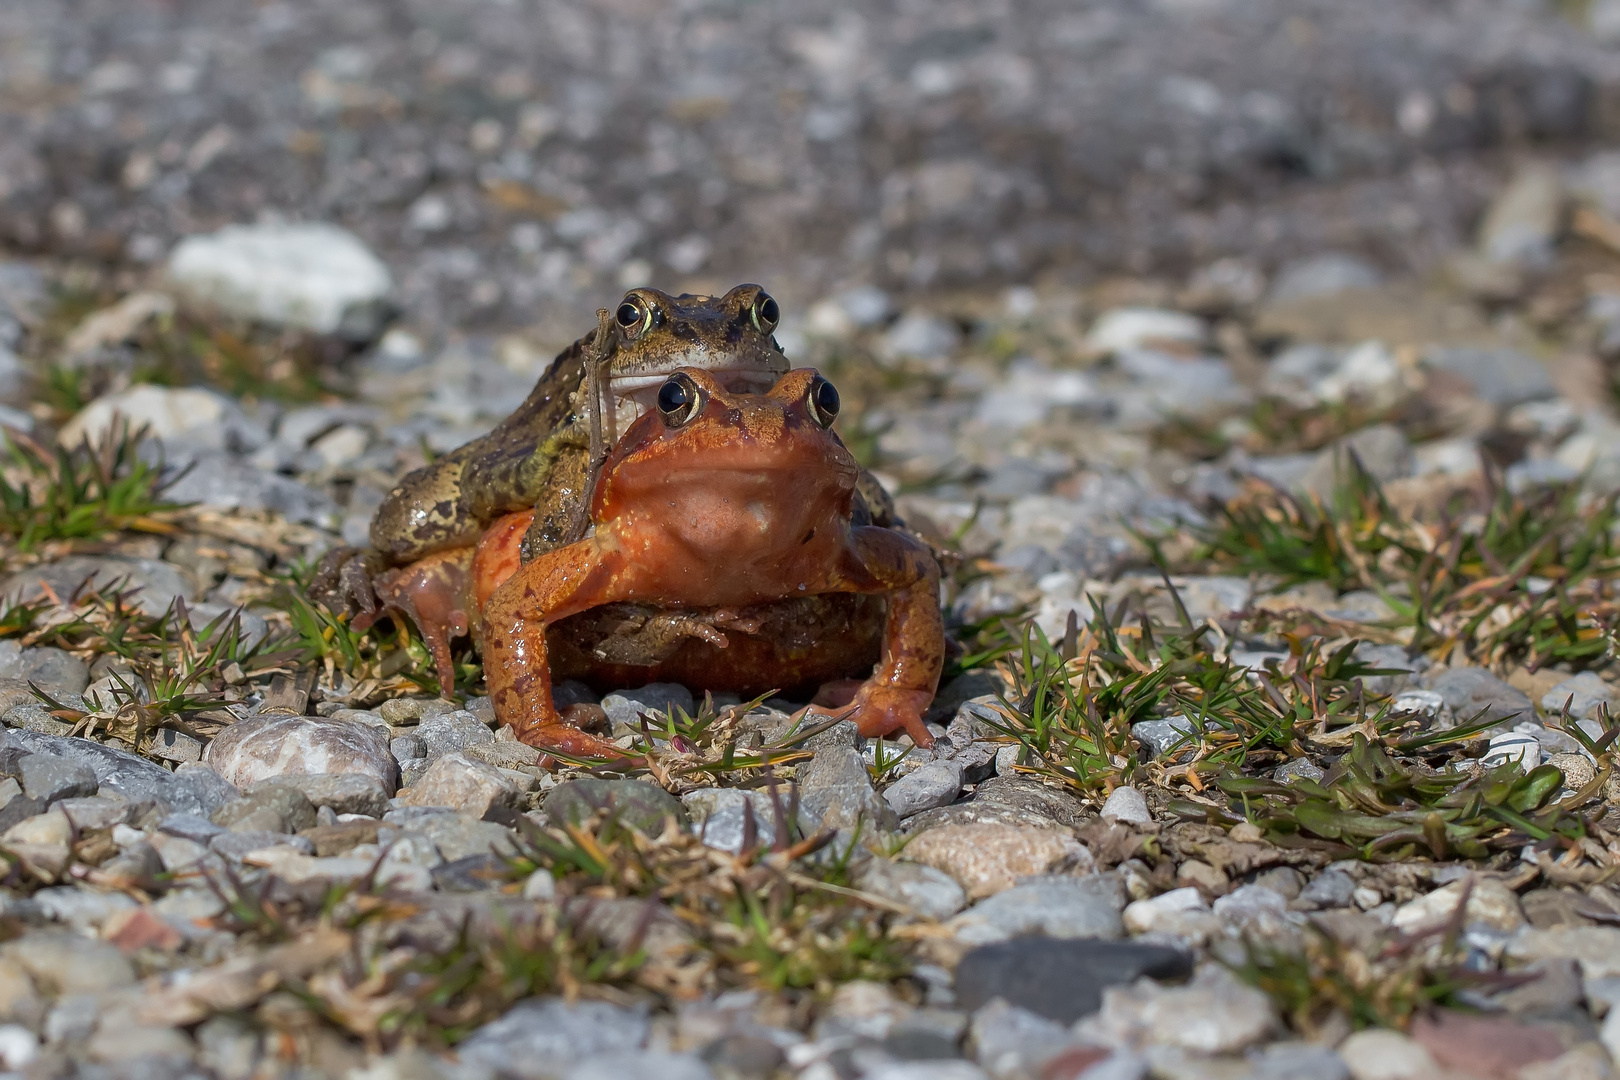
(905,680)
(436,592)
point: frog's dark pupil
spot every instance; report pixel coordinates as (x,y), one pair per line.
(826,398)
(628,315)
(768,311)
(672,398)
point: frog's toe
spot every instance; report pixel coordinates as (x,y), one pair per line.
(433,592)
(343,582)
(560,738)
(883,710)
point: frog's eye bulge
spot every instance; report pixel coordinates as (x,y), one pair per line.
(766,313)
(679,400)
(635,316)
(822,400)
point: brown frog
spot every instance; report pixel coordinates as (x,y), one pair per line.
(543,459)
(737,513)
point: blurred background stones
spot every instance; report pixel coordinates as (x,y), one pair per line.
(516,160)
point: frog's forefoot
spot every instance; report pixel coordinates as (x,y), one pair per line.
(560,738)
(880,711)
(435,593)
(343,582)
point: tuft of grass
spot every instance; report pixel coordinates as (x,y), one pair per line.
(1327,982)
(1515,578)
(384,659)
(1073,704)
(83,494)
(1374,806)
(770,917)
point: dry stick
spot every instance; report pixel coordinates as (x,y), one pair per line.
(598,392)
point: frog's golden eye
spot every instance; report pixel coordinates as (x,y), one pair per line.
(822,402)
(635,316)
(679,400)
(766,313)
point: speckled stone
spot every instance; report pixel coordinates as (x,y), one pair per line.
(986,858)
(261,747)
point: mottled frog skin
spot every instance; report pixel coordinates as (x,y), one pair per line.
(535,468)
(538,458)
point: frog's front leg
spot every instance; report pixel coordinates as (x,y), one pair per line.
(558,584)
(436,592)
(907,674)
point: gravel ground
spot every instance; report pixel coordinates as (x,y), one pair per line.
(1132,308)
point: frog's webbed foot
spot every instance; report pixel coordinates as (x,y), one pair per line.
(343,582)
(436,593)
(562,738)
(881,710)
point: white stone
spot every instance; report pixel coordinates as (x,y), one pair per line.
(309,276)
(1214,1014)
(1135,328)
(1382,1054)
(457,781)
(262,747)
(1180,913)
(1513,746)
(115,324)
(1127,805)
(163,410)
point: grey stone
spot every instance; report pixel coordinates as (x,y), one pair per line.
(1468,691)
(928,892)
(261,747)
(1297,1061)
(720,816)
(452,732)
(1522,222)
(210,790)
(237,845)
(1588,691)
(458,782)
(1298,769)
(82,909)
(932,785)
(1157,737)
(541,1038)
(135,778)
(1126,804)
(345,793)
(1013,1042)
(835,792)
(408,748)
(844,733)
(1061,979)
(154,585)
(171,745)
(190,827)
(35,716)
(269,807)
(1006,800)
(305,275)
(225,483)
(1381,449)
(94,812)
(1331,888)
(640,1065)
(69,963)
(1324,274)
(47,778)
(1214,1014)
(1057,907)
(1503,377)
(52,670)
(454,835)
(624,707)
(639,804)
(919,335)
